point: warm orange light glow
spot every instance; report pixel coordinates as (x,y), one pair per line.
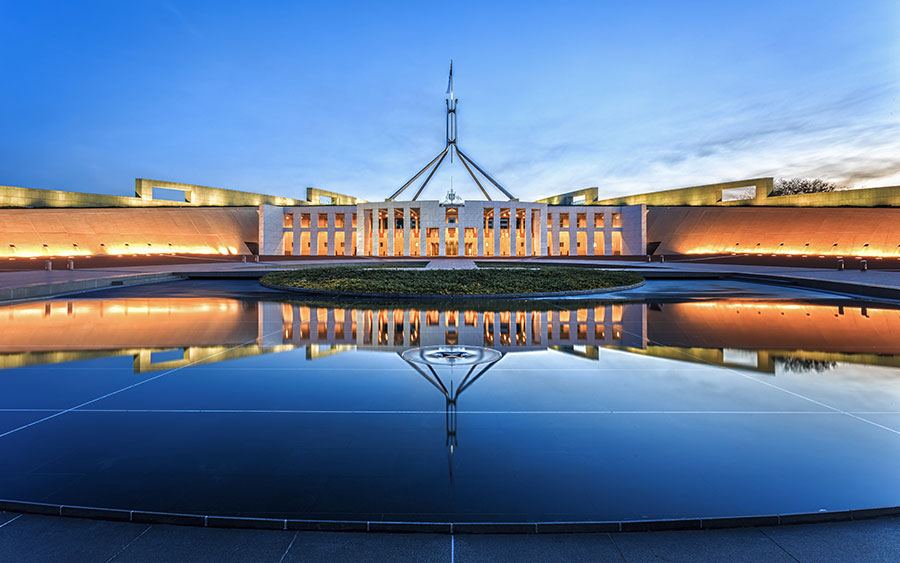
(34,251)
(860,251)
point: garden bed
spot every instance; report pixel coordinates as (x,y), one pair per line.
(525,281)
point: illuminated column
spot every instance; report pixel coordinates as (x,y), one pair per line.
(376,234)
(553,224)
(496,231)
(331,221)
(360,231)
(541,239)
(422,233)
(407,230)
(573,232)
(528,233)
(607,233)
(513,219)
(391,228)
(480,233)
(590,233)
(314,233)
(295,226)
(442,249)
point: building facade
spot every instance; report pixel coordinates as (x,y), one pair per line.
(435,229)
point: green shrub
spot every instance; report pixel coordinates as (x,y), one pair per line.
(500,280)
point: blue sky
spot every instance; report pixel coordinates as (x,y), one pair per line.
(348,96)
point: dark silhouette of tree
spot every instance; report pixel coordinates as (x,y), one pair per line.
(792,186)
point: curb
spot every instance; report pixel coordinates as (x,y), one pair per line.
(374,526)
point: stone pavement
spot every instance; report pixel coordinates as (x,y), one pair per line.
(28,537)
(451,264)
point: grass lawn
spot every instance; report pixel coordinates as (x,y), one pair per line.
(484,281)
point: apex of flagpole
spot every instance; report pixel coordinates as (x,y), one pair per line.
(450,93)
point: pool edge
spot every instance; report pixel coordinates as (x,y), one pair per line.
(376,526)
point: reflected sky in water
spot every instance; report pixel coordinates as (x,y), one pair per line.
(188,398)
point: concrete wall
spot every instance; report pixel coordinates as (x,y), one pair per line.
(198,195)
(194,196)
(80,232)
(767,230)
(717,195)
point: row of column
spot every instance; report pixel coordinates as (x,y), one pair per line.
(362,328)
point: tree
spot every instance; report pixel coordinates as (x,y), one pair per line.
(792,186)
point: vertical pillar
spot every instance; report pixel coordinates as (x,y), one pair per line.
(376,231)
(590,233)
(480,232)
(607,233)
(295,226)
(513,232)
(573,233)
(553,224)
(331,222)
(314,233)
(407,230)
(497,233)
(442,248)
(528,231)
(391,227)
(423,232)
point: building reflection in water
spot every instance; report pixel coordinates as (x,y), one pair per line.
(164,333)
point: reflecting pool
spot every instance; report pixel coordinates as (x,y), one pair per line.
(213,400)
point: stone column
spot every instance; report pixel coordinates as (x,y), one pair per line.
(442,249)
(573,233)
(391,228)
(590,233)
(407,231)
(607,233)
(423,232)
(331,230)
(295,226)
(480,232)
(314,233)
(376,234)
(497,232)
(528,233)
(553,224)
(513,232)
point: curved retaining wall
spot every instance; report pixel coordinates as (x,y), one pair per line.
(395,296)
(219,521)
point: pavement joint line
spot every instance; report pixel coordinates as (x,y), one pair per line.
(616,545)
(781,547)
(412,412)
(127,545)
(132,386)
(289,545)
(10,521)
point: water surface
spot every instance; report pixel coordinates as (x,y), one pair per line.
(721,399)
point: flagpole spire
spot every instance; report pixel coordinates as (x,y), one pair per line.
(452,148)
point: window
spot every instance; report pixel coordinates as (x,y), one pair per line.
(564,220)
(616,220)
(452,215)
(304,220)
(288,220)
(582,220)
(598,220)
(739,194)
(338,220)
(323,220)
